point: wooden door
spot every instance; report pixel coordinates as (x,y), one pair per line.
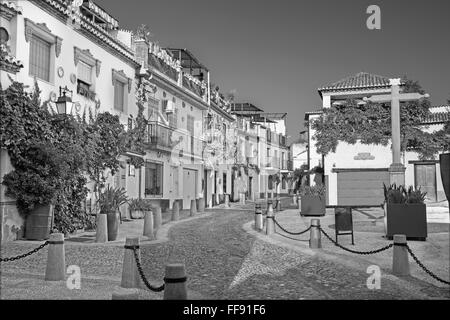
(425,178)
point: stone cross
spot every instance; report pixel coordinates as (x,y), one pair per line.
(397,169)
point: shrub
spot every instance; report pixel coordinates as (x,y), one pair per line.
(313,191)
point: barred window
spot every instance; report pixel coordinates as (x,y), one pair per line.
(40,58)
(119,89)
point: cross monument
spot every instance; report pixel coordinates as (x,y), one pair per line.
(396,169)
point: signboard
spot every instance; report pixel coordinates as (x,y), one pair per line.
(343,222)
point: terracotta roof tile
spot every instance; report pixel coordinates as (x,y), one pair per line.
(361,80)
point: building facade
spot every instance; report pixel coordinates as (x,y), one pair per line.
(355,173)
(196,147)
(81,49)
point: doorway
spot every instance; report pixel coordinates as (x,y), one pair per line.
(425,179)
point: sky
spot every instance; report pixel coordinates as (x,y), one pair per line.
(275,54)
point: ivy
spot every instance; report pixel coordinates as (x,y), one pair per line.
(371,124)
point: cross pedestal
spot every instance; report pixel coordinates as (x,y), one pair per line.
(396,169)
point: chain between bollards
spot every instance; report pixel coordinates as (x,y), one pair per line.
(25,254)
(290,232)
(355,251)
(431,274)
(141,272)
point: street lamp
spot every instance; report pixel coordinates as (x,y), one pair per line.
(64,102)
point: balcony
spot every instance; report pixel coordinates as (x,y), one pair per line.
(273,162)
(286,165)
(167,139)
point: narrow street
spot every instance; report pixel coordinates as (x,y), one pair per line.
(222,262)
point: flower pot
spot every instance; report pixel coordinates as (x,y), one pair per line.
(444,160)
(113,225)
(39,223)
(312,206)
(407,219)
(136,214)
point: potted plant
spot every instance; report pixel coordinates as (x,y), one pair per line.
(109,202)
(405,212)
(35,187)
(312,200)
(135,207)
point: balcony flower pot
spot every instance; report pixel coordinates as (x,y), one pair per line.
(407,219)
(39,223)
(312,205)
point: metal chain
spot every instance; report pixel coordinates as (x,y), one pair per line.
(25,254)
(424,268)
(289,232)
(355,251)
(141,273)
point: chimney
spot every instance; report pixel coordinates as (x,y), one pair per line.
(142,48)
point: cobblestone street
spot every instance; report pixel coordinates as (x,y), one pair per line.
(222,262)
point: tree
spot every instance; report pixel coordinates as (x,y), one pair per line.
(371,124)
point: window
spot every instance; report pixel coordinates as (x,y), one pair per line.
(121,82)
(119,89)
(40,58)
(4,36)
(283,182)
(85,73)
(153,179)
(173,119)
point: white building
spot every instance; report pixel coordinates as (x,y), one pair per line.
(355,174)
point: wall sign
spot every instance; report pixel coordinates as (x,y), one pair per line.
(364,156)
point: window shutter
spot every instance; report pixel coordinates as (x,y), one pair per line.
(84,72)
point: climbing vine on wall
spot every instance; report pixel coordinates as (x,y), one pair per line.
(371,124)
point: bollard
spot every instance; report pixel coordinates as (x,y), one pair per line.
(56,260)
(130,273)
(242,198)
(175,282)
(149,225)
(400,262)
(258,217)
(315,241)
(299,202)
(227,200)
(193,209)
(294,199)
(270,223)
(157,219)
(175,211)
(201,205)
(278,203)
(102,228)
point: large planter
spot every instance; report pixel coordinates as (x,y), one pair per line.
(136,214)
(113,225)
(39,223)
(312,206)
(444,160)
(407,219)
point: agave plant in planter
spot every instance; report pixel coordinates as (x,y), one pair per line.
(135,207)
(312,200)
(109,203)
(405,212)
